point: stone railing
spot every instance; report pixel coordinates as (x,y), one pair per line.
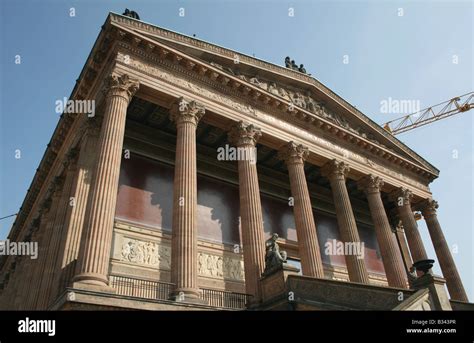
(217,298)
(140,288)
(157,290)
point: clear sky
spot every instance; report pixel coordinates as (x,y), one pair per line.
(395,49)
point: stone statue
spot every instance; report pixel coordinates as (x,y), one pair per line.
(254,81)
(298,100)
(131,14)
(283,93)
(274,258)
(301,69)
(287,62)
(294,66)
(312,105)
(272,88)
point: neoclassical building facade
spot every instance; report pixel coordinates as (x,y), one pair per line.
(133,209)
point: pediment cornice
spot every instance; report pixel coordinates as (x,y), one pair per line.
(153,32)
(251,93)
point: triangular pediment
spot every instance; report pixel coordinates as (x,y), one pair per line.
(302,90)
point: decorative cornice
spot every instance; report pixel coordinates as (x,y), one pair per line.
(57,185)
(45,206)
(293,153)
(183,111)
(166,35)
(263,98)
(71,158)
(243,134)
(335,169)
(370,184)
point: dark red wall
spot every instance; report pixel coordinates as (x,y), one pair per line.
(146,193)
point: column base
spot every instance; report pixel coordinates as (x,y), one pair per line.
(187,295)
(93,282)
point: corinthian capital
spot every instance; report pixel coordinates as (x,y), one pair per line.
(121,85)
(183,111)
(370,184)
(428,207)
(244,134)
(401,196)
(335,169)
(293,153)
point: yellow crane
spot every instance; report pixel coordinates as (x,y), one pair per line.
(462,103)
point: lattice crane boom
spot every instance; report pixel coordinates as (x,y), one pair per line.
(437,112)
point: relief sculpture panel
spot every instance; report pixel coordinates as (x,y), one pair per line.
(156,255)
(146,253)
(220,267)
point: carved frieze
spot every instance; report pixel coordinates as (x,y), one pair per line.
(158,255)
(146,253)
(305,102)
(219,267)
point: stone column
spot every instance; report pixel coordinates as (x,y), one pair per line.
(403,246)
(18,282)
(26,287)
(245,137)
(308,245)
(75,221)
(445,259)
(337,171)
(93,263)
(186,115)
(59,204)
(9,282)
(38,264)
(402,198)
(396,275)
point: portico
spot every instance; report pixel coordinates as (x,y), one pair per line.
(323,171)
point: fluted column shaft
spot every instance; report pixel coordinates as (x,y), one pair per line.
(53,252)
(402,198)
(18,282)
(37,272)
(245,136)
(27,287)
(396,275)
(445,259)
(308,245)
(71,240)
(336,171)
(186,115)
(94,254)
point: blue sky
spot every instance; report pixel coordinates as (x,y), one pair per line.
(407,57)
